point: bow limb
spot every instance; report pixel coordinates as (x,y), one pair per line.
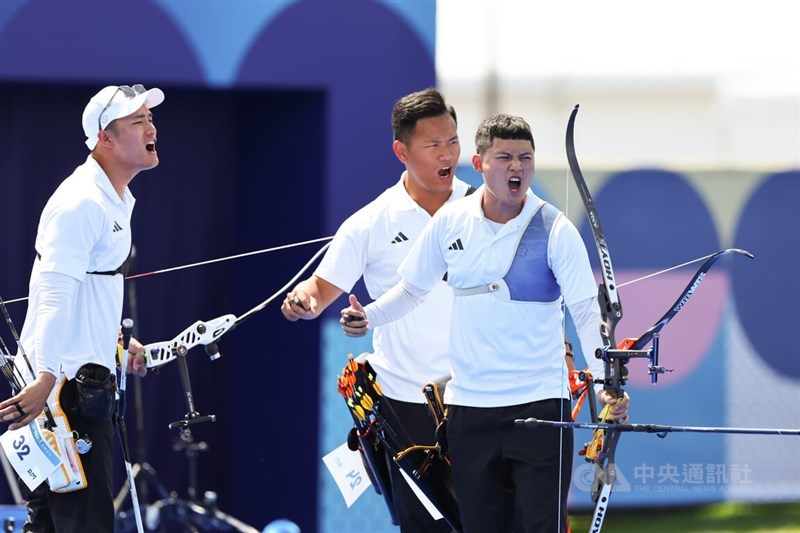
(647,336)
(605,440)
(283,289)
(611,306)
(669,269)
(208,332)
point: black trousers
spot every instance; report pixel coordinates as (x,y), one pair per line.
(418,425)
(90,510)
(500,470)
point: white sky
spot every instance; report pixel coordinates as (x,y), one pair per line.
(751,46)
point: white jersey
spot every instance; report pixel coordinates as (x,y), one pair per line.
(85,227)
(371,243)
(503,351)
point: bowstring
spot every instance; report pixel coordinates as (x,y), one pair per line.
(208,262)
(564,372)
(285,287)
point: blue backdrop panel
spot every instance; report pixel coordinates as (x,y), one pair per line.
(768,227)
(368,58)
(97,42)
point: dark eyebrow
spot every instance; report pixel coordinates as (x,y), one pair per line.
(526,152)
(436,140)
(142,115)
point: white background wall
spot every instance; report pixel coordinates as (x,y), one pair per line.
(699,83)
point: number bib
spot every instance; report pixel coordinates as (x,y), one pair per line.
(30,454)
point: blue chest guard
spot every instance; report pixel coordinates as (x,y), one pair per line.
(530,279)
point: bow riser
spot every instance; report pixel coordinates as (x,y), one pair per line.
(205,333)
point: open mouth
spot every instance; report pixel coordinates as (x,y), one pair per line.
(514,183)
(151,147)
(444,172)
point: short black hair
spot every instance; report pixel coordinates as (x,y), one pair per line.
(415,106)
(502,126)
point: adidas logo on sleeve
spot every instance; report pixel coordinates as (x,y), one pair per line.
(456,245)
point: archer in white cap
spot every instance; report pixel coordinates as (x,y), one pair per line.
(118,123)
(72,325)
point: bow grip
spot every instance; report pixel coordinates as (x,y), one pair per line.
(160,353)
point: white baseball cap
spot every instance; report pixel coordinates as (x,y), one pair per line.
(115,102)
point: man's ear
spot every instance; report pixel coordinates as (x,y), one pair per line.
(401,151)
(104,137)
(477,163)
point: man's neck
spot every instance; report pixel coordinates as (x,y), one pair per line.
(118,178)
(497,212)
(429,201)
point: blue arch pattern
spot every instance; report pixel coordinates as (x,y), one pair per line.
(87,42)
(360,98)
(218,34)
(767,290)
(653,207)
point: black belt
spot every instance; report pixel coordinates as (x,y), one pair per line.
(122,269)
